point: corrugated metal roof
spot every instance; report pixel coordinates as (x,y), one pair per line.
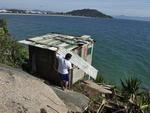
(80,63)
(58,40)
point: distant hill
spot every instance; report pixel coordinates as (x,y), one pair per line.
(88,13)
(81,12)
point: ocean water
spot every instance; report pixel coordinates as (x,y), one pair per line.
(122,47)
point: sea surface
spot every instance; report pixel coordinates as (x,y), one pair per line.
(122,47)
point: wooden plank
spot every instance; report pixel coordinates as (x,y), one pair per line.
(99,88)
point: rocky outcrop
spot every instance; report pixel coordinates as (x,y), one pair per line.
(23,93)
(76,102)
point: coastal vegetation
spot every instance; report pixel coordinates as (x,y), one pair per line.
(3,27)
(88,13)
(11,52)
(130,97)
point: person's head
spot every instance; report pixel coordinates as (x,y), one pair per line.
(68,56)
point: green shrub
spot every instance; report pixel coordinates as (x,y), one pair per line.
(130,88)
(99,79)
(11,52)
(3,26)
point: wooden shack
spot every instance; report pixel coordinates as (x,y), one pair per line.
(42,55)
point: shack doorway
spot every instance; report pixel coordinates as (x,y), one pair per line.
(43,64)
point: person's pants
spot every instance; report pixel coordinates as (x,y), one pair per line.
(64,77)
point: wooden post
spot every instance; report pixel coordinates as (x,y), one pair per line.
(71,79)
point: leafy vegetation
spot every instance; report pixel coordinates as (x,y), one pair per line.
(88,13)
(130,88)
(11,52)
(3,27)
(136,100)
(144,101)
(99,79)
(130,98)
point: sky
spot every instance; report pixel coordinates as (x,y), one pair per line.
(111,7)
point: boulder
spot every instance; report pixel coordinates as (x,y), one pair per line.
(23,93)
(76,102)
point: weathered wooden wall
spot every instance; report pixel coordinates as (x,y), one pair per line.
(43,64)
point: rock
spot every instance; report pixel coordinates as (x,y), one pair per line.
(23,93)
(76,102)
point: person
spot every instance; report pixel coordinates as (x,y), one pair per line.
(64,69)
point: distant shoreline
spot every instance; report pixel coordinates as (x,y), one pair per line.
(21,14)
